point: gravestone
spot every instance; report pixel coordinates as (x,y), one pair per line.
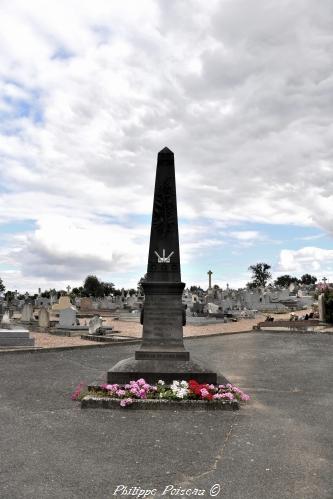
(42,302)
(86,303)
(321,307)
(64,303)
(27,313)
(43,318)
(5,318)
(67,318)
(96,325)
(11,338)
(162,354)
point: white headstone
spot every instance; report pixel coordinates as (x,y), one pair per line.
(27,313)
(95,323)
(5,318)
(67,317)
(321,307)
(43,318)
(212,308)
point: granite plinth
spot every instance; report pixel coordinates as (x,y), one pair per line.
(162,337)
(15,338)
(91,402)
(108,338)
(154,369)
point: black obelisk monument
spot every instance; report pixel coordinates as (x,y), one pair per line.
(162,354)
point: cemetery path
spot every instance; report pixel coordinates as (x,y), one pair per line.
(276,447)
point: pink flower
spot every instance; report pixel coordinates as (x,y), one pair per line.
(146,387)
(112,388)
(142,393)
(217,396)
(245,397)
(204,392)
(120,393)
(228,396)
(141,382)
(126,402)
(75,395)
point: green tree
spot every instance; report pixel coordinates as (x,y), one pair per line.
(108,288)
(93,286)
(2,286)
(284,281)
(260,275)
(140,288)
(308,279)
(9,296)
(328,299)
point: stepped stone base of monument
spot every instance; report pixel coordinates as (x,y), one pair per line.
(15,338)
(165,369)
(91,402)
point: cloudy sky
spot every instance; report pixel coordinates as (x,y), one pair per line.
(90,91)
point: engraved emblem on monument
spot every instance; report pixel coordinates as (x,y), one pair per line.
(163,259)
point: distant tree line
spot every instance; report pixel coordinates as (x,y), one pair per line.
(261,276)
(94,287)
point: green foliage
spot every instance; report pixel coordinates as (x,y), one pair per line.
(2,286)
(260,275)
(93,286)
(9,296)
(328,300)
(108,288)
(140,288)
(284,281)
(308,279)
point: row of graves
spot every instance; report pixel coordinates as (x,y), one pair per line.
(86,317)
(216,304)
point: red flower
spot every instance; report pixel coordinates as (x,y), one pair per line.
(196,388)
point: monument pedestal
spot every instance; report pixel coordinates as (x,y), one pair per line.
(166,369)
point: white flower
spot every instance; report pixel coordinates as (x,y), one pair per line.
(175,386)
(184,384)
(161,382)
(180,392)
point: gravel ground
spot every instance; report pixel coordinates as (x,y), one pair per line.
(134,329)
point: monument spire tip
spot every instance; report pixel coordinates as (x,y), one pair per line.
(165,150)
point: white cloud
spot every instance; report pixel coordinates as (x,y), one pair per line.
(306,260)
(245,235)
(241,91)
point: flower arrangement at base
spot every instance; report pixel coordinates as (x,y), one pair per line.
(177,391)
